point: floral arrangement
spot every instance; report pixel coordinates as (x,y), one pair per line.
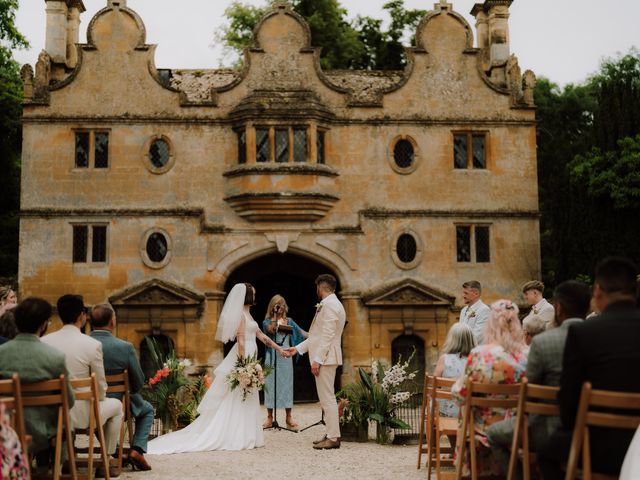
(377,396)
(248,373)
(174,395)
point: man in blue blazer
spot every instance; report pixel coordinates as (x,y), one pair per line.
(118,356)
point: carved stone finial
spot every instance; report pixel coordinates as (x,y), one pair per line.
(43,74)
(26,74)
(515,78)
(116,3)
(528,84)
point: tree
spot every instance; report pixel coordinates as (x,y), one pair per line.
(10,137)
(588,169)
(359,44)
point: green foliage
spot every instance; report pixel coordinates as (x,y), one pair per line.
(588,169)
(10,137)
(614,174)
(359,44)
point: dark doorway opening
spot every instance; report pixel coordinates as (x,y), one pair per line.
(401,349)
(293,277)
(164,345)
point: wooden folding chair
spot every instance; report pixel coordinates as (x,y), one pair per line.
(11,397)
(537,400)
(482,395)
(86,389)
(621,412)
(119,383)
(438,426)
(423,417)
(53,393)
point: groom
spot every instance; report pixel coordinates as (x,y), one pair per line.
(325,354)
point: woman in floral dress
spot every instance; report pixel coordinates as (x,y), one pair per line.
(502,359)
(13,462)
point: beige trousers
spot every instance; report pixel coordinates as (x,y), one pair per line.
(110,414)
(327,396)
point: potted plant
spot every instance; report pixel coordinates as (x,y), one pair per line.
(354,418)
(385,396)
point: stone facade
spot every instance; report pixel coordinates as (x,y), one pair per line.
(185,164)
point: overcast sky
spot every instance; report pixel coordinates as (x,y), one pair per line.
(564,40)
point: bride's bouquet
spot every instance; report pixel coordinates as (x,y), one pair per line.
(248,373)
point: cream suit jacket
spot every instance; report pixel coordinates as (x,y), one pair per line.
(325,334)
(83,356)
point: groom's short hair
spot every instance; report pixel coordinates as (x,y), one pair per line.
(328,281)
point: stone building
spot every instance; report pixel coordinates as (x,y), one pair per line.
(159,189)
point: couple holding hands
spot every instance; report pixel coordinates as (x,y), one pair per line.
(226,421)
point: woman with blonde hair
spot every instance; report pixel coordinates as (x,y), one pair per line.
(460,341)
(277,315)
(502,359)
(8,298)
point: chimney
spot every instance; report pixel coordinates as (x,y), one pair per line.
(56,38)
(74,9)
(492,23)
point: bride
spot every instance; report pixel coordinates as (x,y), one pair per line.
(226,422)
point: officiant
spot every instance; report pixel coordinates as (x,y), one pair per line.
(277,315)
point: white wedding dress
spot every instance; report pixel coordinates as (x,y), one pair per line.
(225,422)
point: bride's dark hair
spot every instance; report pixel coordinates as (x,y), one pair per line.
(250,296)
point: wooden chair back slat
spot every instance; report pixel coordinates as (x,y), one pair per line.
(42,400)
(627,405)
(542,392)
(484,395)
(51,393)
(611,420)
(545,409)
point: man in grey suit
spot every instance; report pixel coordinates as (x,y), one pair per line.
(119,355)
(544,367)
(35,361)
(475,313)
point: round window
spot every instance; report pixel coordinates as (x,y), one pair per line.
(159,153)
(403,154)
(406,248)
(157,247)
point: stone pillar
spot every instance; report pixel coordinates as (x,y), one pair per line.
(73,36)
(56,32)
(482,25)
(356,339)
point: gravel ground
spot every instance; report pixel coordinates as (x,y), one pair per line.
(290,456)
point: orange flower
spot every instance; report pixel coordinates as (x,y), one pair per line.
(153,381)
(207,381)
(165,372)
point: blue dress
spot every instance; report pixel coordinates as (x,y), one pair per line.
(284,392)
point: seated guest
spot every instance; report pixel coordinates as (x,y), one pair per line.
(501,359)
(532,326)
(35,361)
(83,356)
(8,329)
(532,292)
(8,299)
(571,301)
(118,356)
(459,343)
(13,461)
(604,351)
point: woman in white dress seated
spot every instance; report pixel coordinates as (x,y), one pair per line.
(225,421)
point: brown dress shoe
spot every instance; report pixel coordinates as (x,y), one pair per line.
(113,472)
(327,444)
(138,461)
(315,442)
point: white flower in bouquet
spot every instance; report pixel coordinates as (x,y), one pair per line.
(185,362)
(400,397)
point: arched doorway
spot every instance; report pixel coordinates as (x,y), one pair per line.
(403,346)
(293,277)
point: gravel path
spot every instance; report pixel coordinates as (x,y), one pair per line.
(290,456)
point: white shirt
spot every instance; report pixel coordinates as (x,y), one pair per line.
(476,317)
